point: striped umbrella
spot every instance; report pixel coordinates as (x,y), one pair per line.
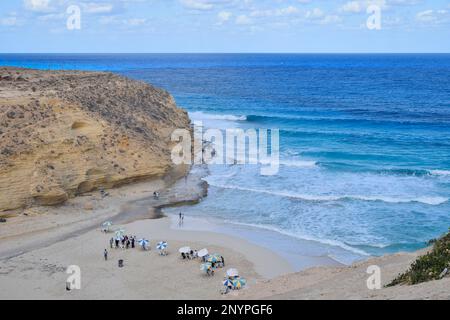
(162,245)
(239,283)
(143,243)
(214,258)
(228,283)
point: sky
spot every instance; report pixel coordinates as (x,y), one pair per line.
(266,26)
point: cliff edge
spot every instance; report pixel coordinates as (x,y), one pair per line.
(65,133)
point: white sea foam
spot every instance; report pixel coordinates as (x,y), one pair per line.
(198,115)
(329,242)
(440,172)
(425,200)
(299,163)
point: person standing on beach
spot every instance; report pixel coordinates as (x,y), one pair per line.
(111,243)
(180,219)
(105,254)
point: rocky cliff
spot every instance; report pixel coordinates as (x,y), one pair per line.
(65,133)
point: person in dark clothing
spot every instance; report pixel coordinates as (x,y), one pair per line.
(117,243)
(105,254)
(132,242)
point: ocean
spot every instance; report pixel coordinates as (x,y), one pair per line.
(364,141)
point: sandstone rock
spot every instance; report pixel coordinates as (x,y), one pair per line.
(65,133)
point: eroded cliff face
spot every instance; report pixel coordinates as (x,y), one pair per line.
(64,133)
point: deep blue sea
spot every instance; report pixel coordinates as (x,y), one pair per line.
(365,139)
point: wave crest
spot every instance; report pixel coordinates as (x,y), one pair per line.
(198,115)
(429,200)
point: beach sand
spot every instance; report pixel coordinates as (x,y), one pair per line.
(37,248)
(40,274)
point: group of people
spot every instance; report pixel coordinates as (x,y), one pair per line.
(193,254)
(125,242)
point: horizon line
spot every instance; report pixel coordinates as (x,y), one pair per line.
(269,52)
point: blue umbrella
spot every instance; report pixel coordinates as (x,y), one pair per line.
(162,245)
(144,243)
(228,283)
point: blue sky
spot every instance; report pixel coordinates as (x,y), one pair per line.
(224,26)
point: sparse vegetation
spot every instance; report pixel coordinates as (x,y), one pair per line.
(428,267)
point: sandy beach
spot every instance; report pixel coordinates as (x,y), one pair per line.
(37,249)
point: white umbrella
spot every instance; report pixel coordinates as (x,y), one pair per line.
(120,232)
(231,273)
(107,225)
(203,253)
(185,250)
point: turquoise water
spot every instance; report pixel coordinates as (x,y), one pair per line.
(365,139)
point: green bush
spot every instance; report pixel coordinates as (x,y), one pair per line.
(428,267)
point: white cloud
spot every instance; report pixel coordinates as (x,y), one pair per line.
(315,13)
(360,6)
(97,8)
(433,16)
(135,22)
(224,16)
(38,5)
(9,21)
(291,10)
(243,20)
(352,6)
(197,4)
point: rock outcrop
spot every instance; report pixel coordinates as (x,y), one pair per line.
(65,133)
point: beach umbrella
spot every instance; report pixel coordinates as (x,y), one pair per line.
(106,225)
(143,243)
(185,250)
(228,283)
(203,253)
(162,245)
(239,283)
(232,273)
(214,258)
(120,232)
(205,266)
